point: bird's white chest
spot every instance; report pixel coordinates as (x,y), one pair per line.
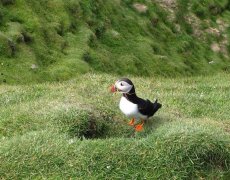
(128,108)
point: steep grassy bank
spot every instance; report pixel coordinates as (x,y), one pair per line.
(56,39)
(75,130)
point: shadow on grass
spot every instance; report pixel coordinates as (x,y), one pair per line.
(93,125)
(150,126)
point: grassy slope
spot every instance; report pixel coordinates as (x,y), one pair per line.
(64,38)
(43,129)
(74,128)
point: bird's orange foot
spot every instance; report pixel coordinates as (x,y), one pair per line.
(139,127)
(131,123)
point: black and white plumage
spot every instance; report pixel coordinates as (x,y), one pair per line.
(133,106)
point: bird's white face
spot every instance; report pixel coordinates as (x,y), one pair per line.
(123,86)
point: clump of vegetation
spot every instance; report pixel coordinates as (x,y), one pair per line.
(76,130)
(57,36)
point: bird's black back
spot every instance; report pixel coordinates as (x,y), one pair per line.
(145,107)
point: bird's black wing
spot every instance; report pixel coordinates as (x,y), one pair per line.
(144,106)
(148,108)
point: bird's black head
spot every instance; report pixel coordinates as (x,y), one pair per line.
(123,85)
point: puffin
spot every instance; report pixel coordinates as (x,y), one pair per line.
(133,106)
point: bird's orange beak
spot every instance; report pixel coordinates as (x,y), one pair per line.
(113,89)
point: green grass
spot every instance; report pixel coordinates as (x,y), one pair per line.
(69,125)
(67,38)
(74,129)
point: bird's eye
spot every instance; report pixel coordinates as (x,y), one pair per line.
(121,84)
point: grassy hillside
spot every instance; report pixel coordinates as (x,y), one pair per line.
(57,60)
(75,130)
(56,39)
